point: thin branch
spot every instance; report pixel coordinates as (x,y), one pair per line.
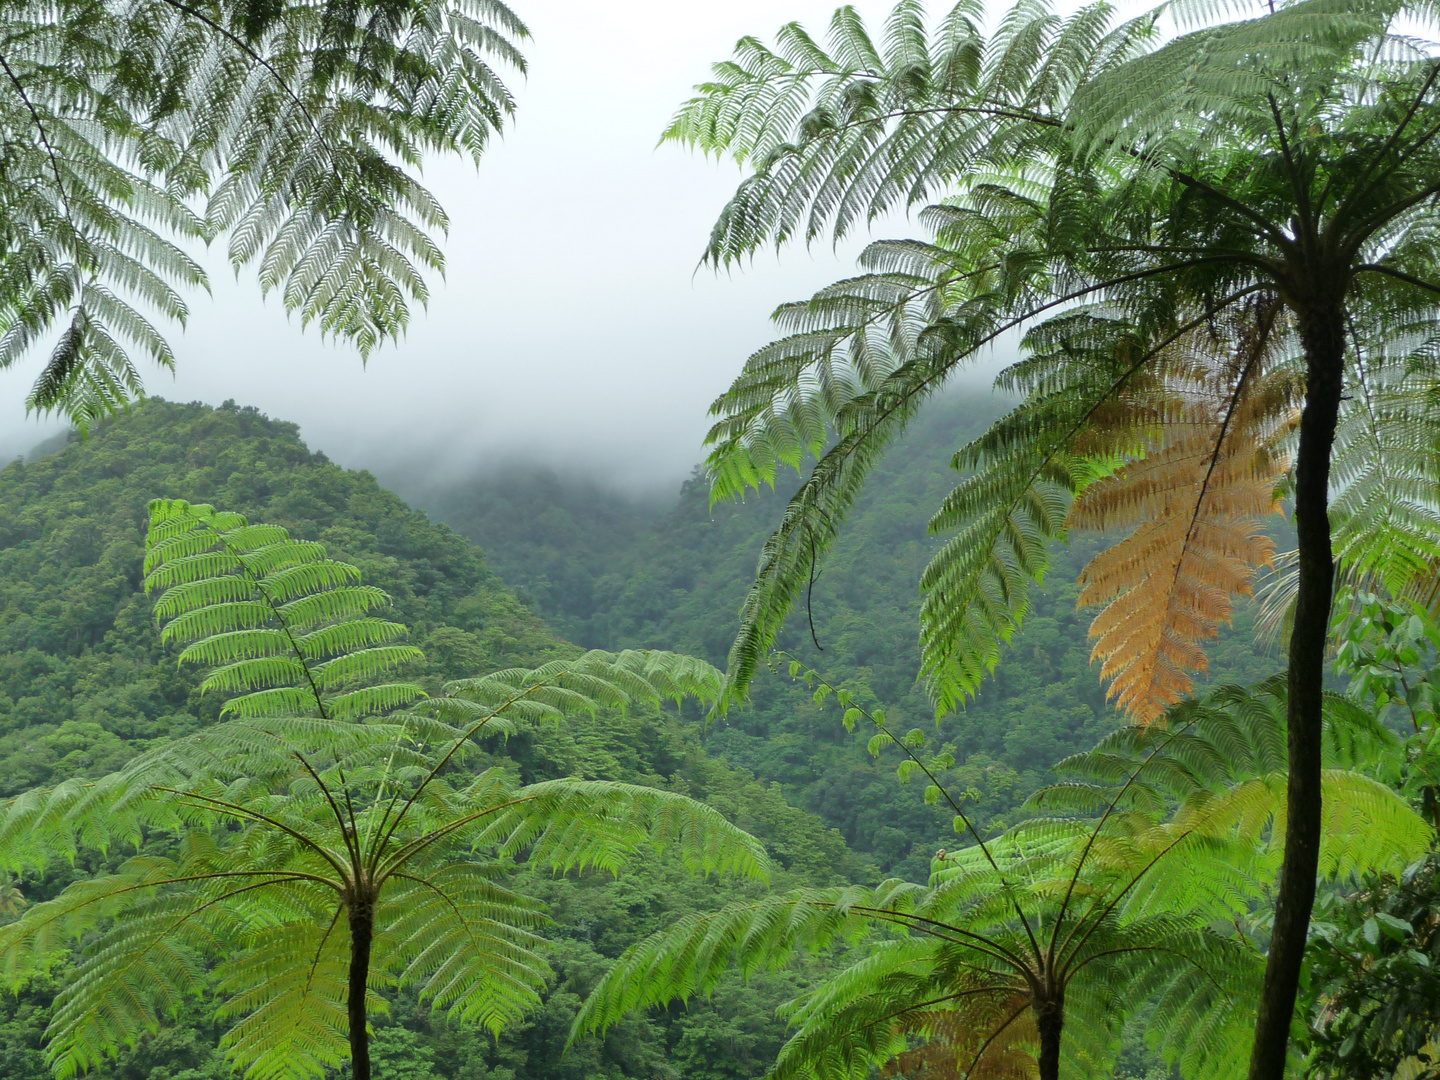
(1170,736)
(351,841)
(315,964)
(1002,988)
(884,729)
(454,909)
(465,737)
(810,595)
(1385,214)
(935,928)
(1399,275)
(1255,217)
(1151,948)
(1302,190)
(255,815)
(414,847)
(1110,907)
(1361,187)
(279,876)
(250,52)
(975,1061)
(44,141)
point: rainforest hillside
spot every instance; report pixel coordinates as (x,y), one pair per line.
(85,684)
(604,570)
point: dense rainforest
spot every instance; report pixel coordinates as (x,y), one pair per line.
(432,817)
(610,572)
(85,685)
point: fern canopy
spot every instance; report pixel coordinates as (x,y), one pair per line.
(1136,261)
(328,839)
(294,130)
(1139,888)
(1259,189)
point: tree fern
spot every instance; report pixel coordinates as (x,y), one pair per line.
(1025,952)
(329,840)
(1267,158)
(134,126)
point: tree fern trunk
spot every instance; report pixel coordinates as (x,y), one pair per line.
(1322,331)
(362,931)
(1050,1022)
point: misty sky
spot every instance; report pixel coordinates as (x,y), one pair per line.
(572,328)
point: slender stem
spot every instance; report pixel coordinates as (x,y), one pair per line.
(51,914)
(1113,904)
(464,737)
(1170,736)
(1362,232)
(967,938)
(351,841)
(1322,333)
(1362,188)
(1399,275)
(249,51)
(1267,227)
(1302,190)
(44,141)
(414,847)
(362,931)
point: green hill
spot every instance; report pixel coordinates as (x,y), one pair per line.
(605,576)
(84,684)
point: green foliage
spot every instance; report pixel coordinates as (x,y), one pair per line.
(322,832)
(1375,979)
(1045,206)
(616,572)
(1261,187)
(81,655)
(84,681)
(295,130)
(1082,913)
(1391,652)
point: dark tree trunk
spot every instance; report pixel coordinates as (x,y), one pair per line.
(1050,1022)
(362,931)
(1322,332)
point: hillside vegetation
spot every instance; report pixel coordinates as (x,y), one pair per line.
(603,576)
(85,685)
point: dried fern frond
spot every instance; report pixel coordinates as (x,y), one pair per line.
(1194,505)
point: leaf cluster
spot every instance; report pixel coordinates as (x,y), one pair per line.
(295,130)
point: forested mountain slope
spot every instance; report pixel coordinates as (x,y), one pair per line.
(85,684)
(677,579)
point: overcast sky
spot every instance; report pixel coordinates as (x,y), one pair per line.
(572,327)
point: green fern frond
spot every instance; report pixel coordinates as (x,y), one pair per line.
(299,132)
(281,625)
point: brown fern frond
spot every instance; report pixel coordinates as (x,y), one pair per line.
(983,1036)
(1194,498)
